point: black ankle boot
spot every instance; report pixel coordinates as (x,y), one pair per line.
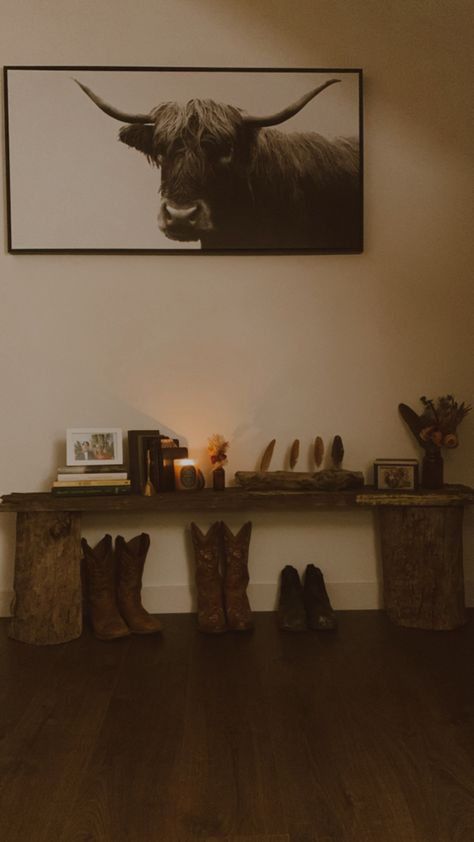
(319,613)
(291,614)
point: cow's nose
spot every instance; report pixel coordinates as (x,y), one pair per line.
(180,216)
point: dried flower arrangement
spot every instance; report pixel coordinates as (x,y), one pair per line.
(434,429)
(437,425)
(217,448)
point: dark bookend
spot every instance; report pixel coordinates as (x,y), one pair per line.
(152,445)
(135,457)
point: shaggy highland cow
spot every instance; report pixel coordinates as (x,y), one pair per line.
(232,181)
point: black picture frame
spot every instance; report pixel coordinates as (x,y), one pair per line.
(396,474)
(73,188)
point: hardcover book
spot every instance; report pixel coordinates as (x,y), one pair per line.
(85,477)
(92,469)
(90,490)
(87,483)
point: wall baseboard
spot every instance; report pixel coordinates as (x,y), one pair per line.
(263,596)
(179,599)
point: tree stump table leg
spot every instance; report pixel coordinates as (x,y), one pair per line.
(423,578)
(47,606)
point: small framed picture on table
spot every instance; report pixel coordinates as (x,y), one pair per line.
(396,474)
(94,446)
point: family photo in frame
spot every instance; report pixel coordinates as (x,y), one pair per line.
(94,446)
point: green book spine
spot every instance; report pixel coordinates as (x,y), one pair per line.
(91,490)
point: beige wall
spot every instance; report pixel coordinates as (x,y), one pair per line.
(258,347)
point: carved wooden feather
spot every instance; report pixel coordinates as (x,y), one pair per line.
(337,452)
(318,450)
(267,456)
(294,453)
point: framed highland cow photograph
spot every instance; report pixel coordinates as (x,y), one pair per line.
(158,160)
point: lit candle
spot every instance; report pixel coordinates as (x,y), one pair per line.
(187,476)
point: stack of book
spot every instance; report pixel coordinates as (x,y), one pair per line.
(91,479)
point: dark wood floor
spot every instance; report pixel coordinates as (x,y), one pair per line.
(365,735)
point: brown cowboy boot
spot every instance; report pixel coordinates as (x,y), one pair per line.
(236,578)
(100,585)
(130,563)
(208,551)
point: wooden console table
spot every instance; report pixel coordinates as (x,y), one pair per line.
(420,533)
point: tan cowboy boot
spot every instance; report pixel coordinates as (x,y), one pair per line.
(236,578)
(130,558)
(207,552)
(100,585)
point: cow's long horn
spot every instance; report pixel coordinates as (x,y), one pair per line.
(290,111)
(114,112)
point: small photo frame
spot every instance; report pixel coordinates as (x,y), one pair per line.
(94,446)
(396,474)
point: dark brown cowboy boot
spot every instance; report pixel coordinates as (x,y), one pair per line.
(208,552)
(130,558)
(291,614)
(99,569)
(236,578)
(319,612)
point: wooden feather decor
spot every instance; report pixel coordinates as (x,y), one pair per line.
(318,450)
(337,452)
(267,456)
(294,453)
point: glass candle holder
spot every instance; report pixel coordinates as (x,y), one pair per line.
(187,476)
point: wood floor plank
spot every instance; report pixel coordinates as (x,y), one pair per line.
(258,838)
(410,737)
(230,787)
(136,747)
(365,735)
(24,672)
(44,750)
(355,746)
